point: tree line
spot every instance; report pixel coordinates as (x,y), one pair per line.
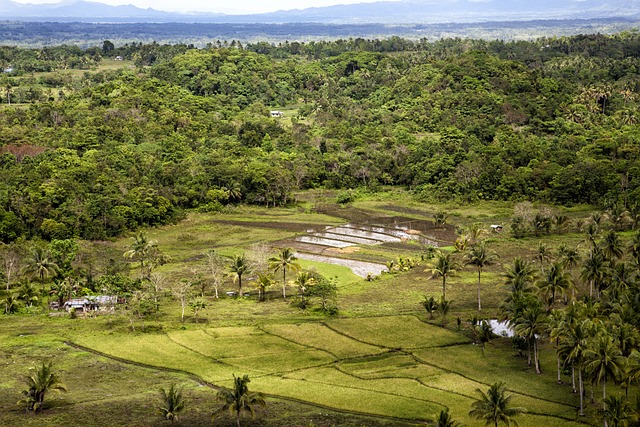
(554,120)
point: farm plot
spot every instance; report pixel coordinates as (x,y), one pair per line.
(396,366)
(397,332)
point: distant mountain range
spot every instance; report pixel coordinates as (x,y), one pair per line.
(399,12)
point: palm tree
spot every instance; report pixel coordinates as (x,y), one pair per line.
(604,359)
(612,246)
(28,294)
(554,282)
(443,419)
(617,411)
(141,249)
(10,302)
(556,326)
(239,399)
(484,333)
(573,348)
(518,277)
(444,307)
(444,267)
(634,246)
(239,266)
(594,270)
(285,260)
(529,326)
(41,380)
(543,253)
(262,282)
(430,304)
(495,406)
(303,281)
(40,264)
(480,257)
(171,403)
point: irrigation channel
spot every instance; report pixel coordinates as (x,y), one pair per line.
(323,244)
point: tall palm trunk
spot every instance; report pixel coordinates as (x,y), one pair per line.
(573,378)
(444,288)
(479,305)
(535,355)
(581,384)
(604,396)
(284,283)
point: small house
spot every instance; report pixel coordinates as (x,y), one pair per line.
(277,114)
(119,58)
(496,228)
(91,303)
(8,70)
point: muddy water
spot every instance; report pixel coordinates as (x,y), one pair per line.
(349,238)
(359,268)
(375,233)
(317,240)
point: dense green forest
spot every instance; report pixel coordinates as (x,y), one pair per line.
(95,153)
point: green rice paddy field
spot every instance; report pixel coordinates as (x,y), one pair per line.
(380,361)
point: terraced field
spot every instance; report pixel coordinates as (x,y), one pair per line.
(395,367)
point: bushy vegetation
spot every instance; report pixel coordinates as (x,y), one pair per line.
(552,120)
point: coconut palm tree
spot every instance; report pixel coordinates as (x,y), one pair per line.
(444,307)
(556,326)
(41,381)
(530,325)
(238,400)
(543,253)
(10,302)
(40,264)
(285,260)
(495,406)
(443,419)
(141,249)
(612,246)
(554,282)
(603,360)
(519,276)
(480,258)
(239,265)
(171,403)
(573,348)
(594,270)
(303,281)
(617,411)
(262,282)
(443,267)
(28,294)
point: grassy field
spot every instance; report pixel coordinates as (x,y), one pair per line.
(378,362)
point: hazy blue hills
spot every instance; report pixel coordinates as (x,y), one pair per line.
(393,12)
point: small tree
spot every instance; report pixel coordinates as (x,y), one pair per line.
(262,283)
(430,304)
(237,268)
(239,399)
(443,419)
(41,380)
(181,292)
(444,306)
(495,406)
(215,263)
(171,403)
(285,260)
(196,305)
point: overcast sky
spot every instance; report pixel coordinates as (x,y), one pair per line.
(234,6)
